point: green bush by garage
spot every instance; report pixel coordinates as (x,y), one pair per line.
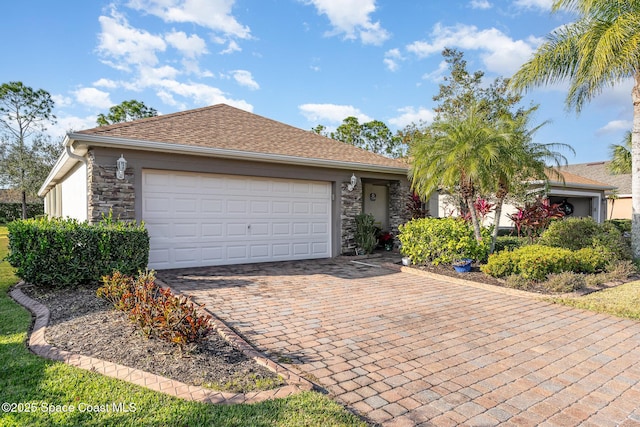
(64,252)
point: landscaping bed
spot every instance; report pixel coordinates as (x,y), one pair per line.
(82,323)
(475,275)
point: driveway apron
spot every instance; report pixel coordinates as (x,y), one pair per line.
(406,350)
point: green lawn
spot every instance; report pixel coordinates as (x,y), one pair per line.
(621,301)
(36,383)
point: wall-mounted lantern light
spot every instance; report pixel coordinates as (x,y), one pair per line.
(121,166)
(353,182)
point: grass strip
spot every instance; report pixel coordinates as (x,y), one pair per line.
(621,301)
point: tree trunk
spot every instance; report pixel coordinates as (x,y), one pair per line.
(635,169)
(474,218)
(496,223)
(24,204)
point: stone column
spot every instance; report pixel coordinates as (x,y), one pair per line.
(351,206)
(109,194)
(399,192)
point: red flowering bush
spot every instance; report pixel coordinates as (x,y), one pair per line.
(157,311)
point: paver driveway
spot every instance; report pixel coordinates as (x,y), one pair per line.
(408,350)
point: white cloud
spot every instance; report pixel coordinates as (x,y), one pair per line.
(544,5)
(66,124)
(124,45)
(200,93)
(352,18)
(437,75)
(106,83)
(411,115)
(190,46)
(615,126)
(213,14)
(231,47)
(499,53)
(61,100)
(244,78)
(332,113)
(480,4)
(93,97)
(392,58)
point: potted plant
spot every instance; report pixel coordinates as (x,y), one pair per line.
(386,240)
(365,234)
(462,265)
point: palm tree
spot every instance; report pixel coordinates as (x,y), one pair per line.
(599,50)
(522,160)
(621,156)
(456,155)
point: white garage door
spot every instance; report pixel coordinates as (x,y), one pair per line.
(197,219)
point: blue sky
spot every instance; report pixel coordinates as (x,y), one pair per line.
(302,62)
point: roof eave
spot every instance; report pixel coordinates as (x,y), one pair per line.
(574,185)
(112,142)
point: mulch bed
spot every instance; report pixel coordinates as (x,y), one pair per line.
(82,323)
(475,275)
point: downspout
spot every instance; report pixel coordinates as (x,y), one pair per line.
(84,161)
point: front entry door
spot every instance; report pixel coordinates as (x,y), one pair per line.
(376,202)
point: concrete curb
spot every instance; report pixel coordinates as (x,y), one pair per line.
(39,345)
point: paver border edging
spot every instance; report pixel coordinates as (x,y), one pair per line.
(491,288)
(39,345)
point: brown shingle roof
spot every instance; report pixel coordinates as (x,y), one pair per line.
(571,178)
(224,127)
(599,171)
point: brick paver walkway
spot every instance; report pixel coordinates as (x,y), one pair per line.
(407,350)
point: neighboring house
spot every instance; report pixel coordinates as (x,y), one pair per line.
(618,200)
(586,197)
(219,185)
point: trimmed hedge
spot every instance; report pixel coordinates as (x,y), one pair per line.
(536,262)
(442,240)
(65,252)
(13,211)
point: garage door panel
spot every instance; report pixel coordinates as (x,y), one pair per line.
(213,254)
(319,248)
(223,219)
(186,230)
(260,229)
(301,208)
(236,230)
(212,230)
(281,229)
(281,208)
(300,229)
(237,252)
(157,205)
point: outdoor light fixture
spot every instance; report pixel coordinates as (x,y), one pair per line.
(121,166)
(353,182)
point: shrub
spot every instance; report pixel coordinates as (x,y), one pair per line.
(366,232)
(13,211)
(509,243)
(156,311)
(567,281)
(579,233)
(536,262)
(65,252)
(442,240)
(623,225)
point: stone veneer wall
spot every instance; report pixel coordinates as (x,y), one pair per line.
(107,193)
(351,206)
(399,192)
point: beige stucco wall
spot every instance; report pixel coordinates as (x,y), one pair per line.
(620,208)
